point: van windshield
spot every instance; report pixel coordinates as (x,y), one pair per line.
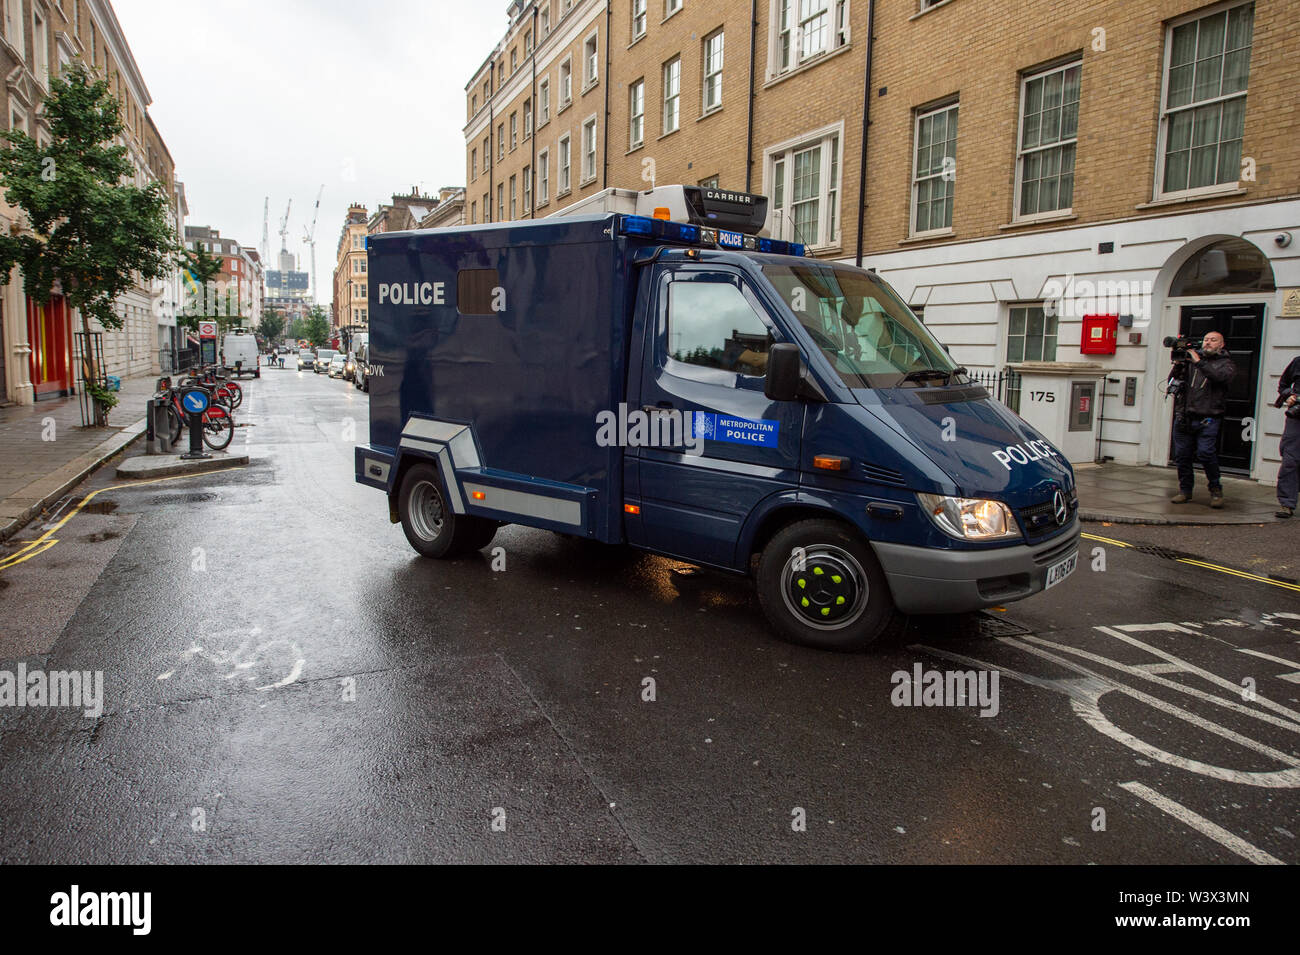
(871,338)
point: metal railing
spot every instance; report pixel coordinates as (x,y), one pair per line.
(1003,385)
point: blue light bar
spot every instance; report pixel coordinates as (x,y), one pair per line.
(637,225)
(687,234)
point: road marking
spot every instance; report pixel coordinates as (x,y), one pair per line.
(1218,568)
(1289,677)
(31,549)
(1202,825)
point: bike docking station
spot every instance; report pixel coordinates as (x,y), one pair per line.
(157,426)
(195,401)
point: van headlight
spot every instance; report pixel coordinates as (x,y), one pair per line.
(970,518)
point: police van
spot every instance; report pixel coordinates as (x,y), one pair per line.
(665,377)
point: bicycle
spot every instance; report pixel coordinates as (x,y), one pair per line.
(218,421)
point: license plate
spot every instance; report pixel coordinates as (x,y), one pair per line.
(1059,571)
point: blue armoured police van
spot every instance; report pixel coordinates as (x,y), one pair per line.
(675,382)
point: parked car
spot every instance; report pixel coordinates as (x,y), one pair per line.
(306,359)
(360,378)
(337,365)
(323,356)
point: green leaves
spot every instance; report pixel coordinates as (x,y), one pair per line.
(316,327)
(92,231)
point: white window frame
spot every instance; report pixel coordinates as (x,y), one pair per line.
(566,83)
(591,61)
(838,32)
(1021,153)
(636,113)
(830,198)
(473,165)
(1163,137)
(543,102)
(918,117)
(16,112)
(528,189)
(640,12)
(546,21)
(672,94)
(565,165)
(671,7)
(41,47)
(543,177)
(15,31)
(528,119)
(501,142)
(501,202)
(514,198)
(594,153)
(706,75)
(514,131)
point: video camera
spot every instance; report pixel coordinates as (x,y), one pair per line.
(1283,395)
(1180,345)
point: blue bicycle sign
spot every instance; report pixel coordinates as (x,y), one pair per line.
(196,401)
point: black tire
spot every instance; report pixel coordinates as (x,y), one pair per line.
(175,425)
(838,599)
(218,428)
(236,394)
(430,525)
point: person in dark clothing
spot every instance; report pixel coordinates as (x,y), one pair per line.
(1288,476)
(1198,413)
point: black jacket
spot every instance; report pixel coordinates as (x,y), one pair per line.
(1206,387)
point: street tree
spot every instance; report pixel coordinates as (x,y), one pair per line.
(316,327)
(271,325)
(201,301)
(91,231)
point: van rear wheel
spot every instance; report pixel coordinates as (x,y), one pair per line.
(820,585)
(428,521)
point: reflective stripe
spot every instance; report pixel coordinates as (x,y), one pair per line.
(449,478)
(463,451)
(431,430)
(529,505)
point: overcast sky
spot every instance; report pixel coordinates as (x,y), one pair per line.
(258,98)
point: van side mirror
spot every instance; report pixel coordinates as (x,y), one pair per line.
(784,372)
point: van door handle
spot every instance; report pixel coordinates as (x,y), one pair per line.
(660,406)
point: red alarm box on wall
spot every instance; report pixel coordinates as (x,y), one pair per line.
(1099,334)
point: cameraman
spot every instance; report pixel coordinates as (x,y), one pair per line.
(1199,411)
(1288,477)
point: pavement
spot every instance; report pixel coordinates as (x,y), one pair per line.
(1140,495)
(285,680)
(46,451)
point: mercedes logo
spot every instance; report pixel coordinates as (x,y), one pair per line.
(1059,509)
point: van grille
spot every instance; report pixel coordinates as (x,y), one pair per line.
(1039,520)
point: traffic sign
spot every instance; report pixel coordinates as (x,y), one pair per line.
(196,401)
(207,329)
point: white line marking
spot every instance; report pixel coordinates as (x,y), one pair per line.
(1269,656)
(1159,668)
(1202,825)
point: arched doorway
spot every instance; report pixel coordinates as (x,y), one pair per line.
(1223,286)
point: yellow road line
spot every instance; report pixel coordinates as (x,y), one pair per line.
(31,548)
(1207,565)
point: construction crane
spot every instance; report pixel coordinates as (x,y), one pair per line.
(266,236)
(309,237)
(284,228)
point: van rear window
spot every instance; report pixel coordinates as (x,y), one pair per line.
(475,290)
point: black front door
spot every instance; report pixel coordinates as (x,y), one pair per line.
(1242,327)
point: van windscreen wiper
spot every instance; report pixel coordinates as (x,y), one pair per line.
(924,374)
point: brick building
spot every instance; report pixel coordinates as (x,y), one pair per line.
(38,39)
(349,300)
(1130,158)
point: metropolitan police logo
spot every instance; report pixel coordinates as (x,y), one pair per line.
(704,424)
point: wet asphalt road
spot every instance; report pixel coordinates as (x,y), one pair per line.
(286,681)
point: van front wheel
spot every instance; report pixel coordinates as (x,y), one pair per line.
(821,585)
(430,525)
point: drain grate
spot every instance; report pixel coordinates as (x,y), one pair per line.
(997,625)
(1168,553)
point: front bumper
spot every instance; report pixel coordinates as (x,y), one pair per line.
(927,580)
